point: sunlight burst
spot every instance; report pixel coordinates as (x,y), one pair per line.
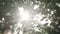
(24,14)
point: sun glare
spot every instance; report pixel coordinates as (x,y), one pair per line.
(24,14)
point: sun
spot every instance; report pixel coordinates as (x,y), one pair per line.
(24,14)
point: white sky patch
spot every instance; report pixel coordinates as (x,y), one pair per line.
(18,25)
(21,32)
(36,6)
(48,9)
(52,12)
(3,19)
(35,25)
(24,14)
(36,29)
(58,4)
(38,18)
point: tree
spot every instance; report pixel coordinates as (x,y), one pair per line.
(49,9)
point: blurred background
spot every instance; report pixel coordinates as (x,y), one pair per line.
(29,16)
